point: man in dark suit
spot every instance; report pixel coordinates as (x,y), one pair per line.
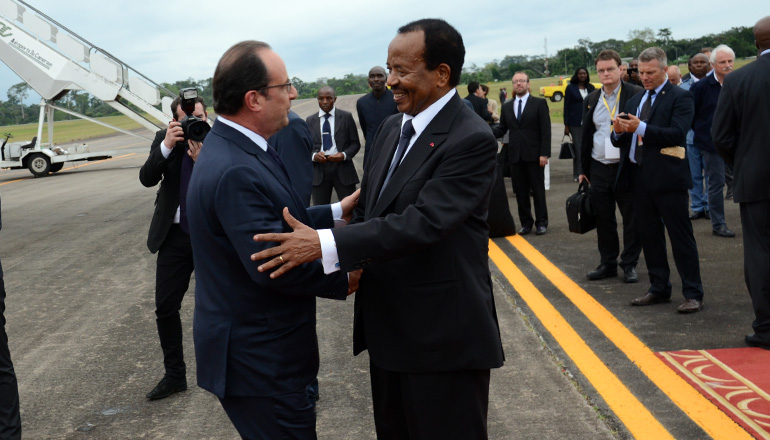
(740,135)
(10,420)
(650,134)
(479,103)
(425,309)
(374,107)
(599,164)
(170,162)
(335,143)
(528,123)
(255,337)
(294,144)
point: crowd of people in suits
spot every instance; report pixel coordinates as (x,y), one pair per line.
(254,330)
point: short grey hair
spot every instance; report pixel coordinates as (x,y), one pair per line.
(721,48)
(654,53)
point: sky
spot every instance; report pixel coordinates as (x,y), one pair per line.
(171,40)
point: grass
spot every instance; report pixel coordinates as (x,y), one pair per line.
(71,130)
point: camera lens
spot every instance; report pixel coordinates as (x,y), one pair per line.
(198,130)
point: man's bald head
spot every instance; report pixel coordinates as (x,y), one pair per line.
(762,34)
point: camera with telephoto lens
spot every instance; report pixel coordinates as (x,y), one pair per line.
(194,128)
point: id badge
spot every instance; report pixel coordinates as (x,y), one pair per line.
(610,152)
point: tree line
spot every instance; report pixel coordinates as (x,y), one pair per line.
(741,39)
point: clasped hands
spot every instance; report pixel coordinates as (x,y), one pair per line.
(301,246)
(321,157)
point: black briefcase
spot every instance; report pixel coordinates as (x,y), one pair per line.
(567,148)
(580,215)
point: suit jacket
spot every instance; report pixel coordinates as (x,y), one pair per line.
(294,145)
(573,104)
(347,141)
(589,128)
(740,129)
(168,172)
(479,105)
(425,301)
(705,95)
(670,118)
(530,138)
(254,336)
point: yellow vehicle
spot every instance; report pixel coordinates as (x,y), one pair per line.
(556,93)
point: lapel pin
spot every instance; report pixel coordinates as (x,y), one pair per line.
(432,145)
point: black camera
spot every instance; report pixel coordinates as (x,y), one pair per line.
(194,128)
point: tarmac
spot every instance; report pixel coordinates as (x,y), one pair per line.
(81,326)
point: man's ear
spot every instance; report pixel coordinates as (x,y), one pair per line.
(443,71)
(253,100)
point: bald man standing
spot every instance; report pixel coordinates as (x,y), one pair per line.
(374,107)
(739,133)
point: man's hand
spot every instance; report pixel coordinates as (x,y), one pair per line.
(348,204)
(566,130)
(353,279)
(195,148)
(319,157)
(174,135)
(623,125)
(543,161)
(298,247)
(336,157)
(583,177)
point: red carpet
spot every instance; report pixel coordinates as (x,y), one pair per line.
(737,380)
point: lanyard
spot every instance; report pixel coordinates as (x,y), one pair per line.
(614,107)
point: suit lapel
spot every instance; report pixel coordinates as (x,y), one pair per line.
(337,128)
(429,141)
(379,168)
(662,97)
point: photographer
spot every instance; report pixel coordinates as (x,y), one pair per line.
(171,159)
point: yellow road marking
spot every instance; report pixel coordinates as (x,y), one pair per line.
(639,421)
(715,422)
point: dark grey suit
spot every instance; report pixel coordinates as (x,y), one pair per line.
(740,135)
(528,140)
(341,176)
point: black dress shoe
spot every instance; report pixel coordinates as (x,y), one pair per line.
(756,341)
(690,306)
(525,230)
(629,275)
(697,214)
(167,386)
(541,230)
(601,272)
(723,231)
(649,299)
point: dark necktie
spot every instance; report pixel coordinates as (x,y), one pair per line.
(643,115)
(518,116)
(184,182)
(406,135)
(326,134)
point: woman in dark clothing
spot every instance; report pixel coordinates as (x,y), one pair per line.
(579,87)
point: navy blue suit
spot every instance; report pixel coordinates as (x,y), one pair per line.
(10,422)
(254,336)
(660,187)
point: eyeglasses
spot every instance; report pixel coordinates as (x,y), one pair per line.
(287,85)
(520,81)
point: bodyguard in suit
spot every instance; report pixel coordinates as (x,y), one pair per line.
(255,337)
(335,143)
(374,107)
(425,309)
(600,163)
(10,420)
(170,162)
(479,103)
(528,123)
(651,134)
(740,135)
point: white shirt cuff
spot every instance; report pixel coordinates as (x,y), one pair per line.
(329,259)
(165,151)
(337,211)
